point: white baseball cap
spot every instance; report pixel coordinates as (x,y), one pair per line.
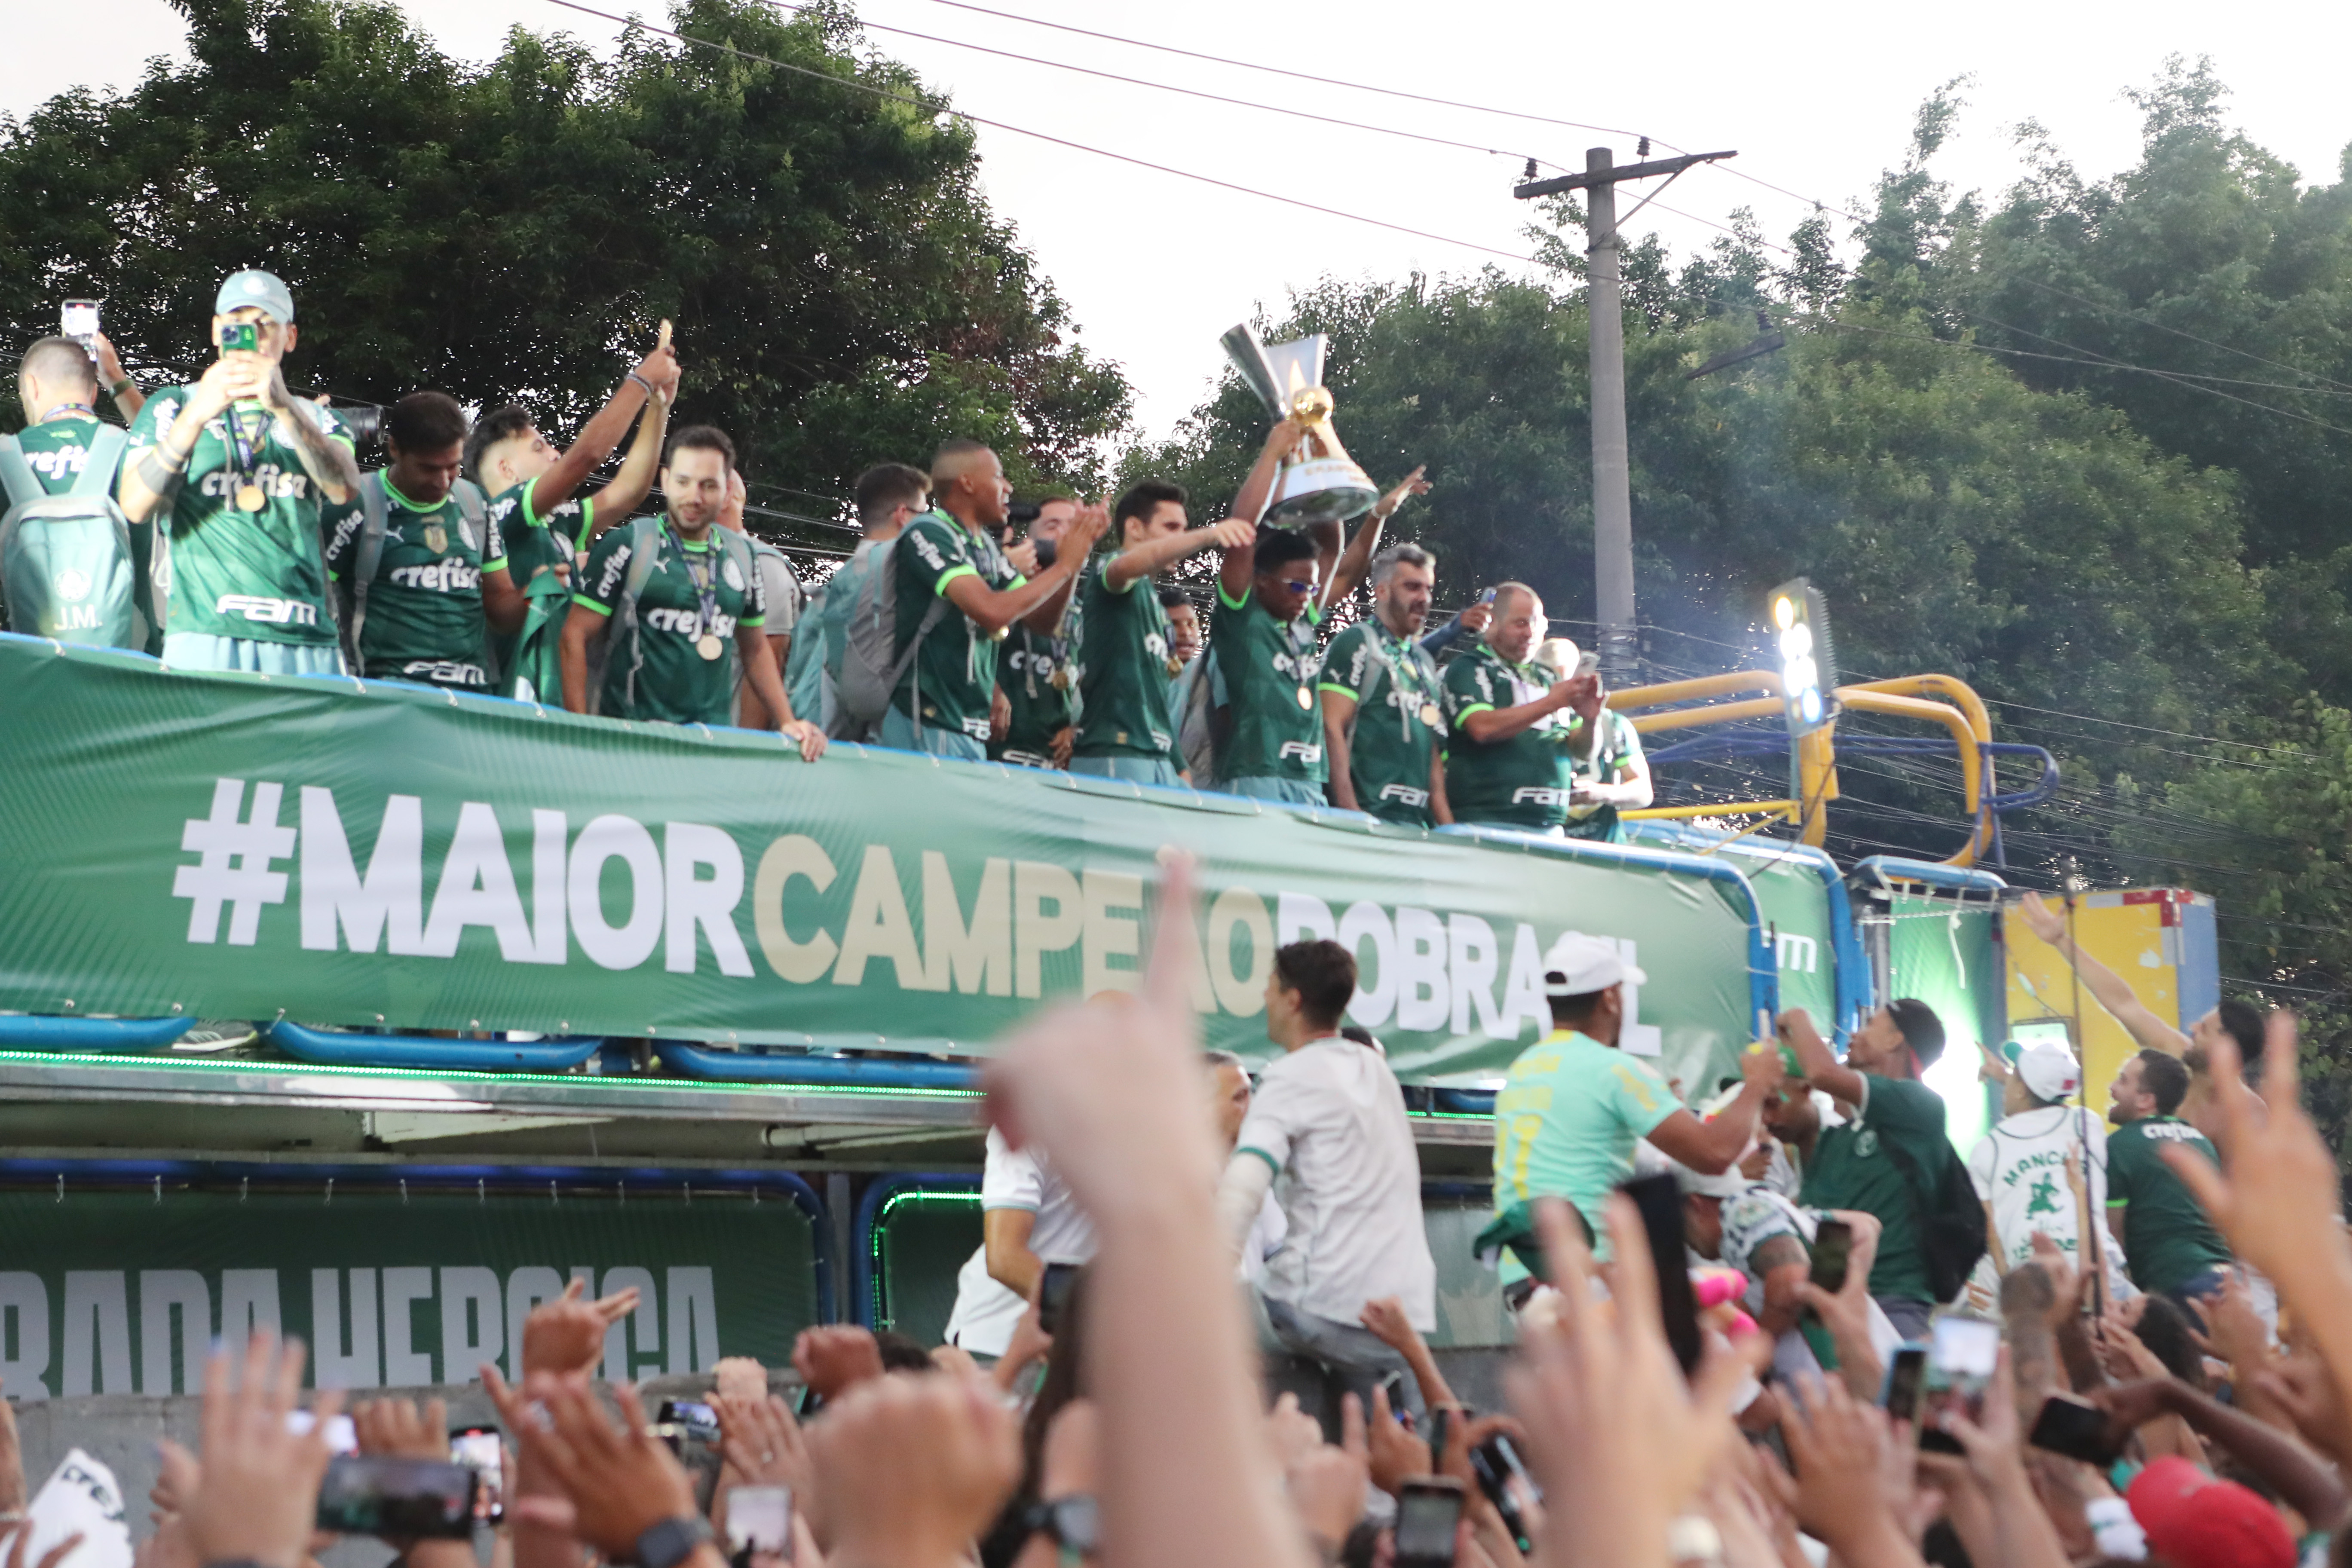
(1578,966)
(2047,1068)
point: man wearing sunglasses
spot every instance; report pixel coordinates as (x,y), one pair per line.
(1271,594)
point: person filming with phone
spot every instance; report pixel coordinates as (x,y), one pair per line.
(236,472)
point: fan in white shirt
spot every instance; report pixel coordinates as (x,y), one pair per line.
(1028,1219)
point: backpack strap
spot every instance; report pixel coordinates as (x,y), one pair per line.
(16,474)
(647,535)
(375,511)
(98,465)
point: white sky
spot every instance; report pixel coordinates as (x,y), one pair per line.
(1819,112)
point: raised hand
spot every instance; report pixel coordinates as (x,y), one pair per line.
(1414,485)
(398,1426)
(566,1336)
(1840,1447)
(2041,919)
(1233,533)
(618,1480)
(258,1492)
(836,1357)
(911,1469)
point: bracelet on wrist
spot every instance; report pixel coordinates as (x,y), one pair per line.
(119,388)
(650,394)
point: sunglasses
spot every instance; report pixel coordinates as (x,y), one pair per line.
(1296,586)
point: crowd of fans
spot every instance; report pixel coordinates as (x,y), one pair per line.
(233,529)
(2161,1411)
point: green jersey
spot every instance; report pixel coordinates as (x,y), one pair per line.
(1619,746)
(1037,674)
(232,573)
(57,450)
(675,682)
(425,604)
(1123,670)
(955,675)
(537,541)
(2167,1237)
(1399,727)
(1522,782)
(1850,1168)
(1268,668)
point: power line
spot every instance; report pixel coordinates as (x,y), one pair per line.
(1304,76)
(2172,376)
(2178,332)
(910,99)
(871,25)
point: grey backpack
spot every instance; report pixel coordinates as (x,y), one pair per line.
(375,508)
(65,560)
(871,666)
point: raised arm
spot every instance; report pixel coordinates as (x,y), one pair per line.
(621,498)
(152,477)
(1488,725)
(993,609)
(1258,488)
(601,433)
(1140,562)
(1714,1146)
(332,464)
(1341,577)
(1092,521)
(2145,1027)
(1816,1060)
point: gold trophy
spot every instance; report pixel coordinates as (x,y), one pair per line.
(1318,481)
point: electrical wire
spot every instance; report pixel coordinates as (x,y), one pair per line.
(2178,332)
(871,25)
(910,98)
(1305,76)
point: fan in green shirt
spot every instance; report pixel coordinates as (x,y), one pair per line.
(1271,596)
(1506,761)
(535,497)
(952,554)
(1382,729)
(1126,653)
(1849,1167)
(440,583)
(57,388)
(2170,1244)
(697,612)
(239,471)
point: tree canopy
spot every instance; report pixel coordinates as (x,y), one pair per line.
(815,228)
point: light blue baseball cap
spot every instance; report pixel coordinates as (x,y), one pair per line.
(262,291)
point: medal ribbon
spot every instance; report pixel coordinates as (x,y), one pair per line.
(706,581)
(245,450)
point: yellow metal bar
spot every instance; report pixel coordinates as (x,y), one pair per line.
(1950,688)
(1659,696)
(1817,783)
(1719,713)
(1787,808)
(1863,699)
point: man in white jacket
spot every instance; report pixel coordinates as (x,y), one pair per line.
(1326,1132)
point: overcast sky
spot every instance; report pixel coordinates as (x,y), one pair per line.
(1819,112)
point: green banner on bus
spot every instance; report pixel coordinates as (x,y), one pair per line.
(247,847)
(116,1292)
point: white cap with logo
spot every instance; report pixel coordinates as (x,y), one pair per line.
(1578,966)
(2047,1068)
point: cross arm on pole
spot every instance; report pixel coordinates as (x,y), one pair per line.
(1622,171)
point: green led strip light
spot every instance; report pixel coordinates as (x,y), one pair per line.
(633,1086)
(881,1229)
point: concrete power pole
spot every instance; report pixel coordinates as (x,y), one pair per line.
(1613,499)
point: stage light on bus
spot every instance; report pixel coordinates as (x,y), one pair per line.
(1807,668)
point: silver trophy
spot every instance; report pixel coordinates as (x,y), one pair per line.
(1318,481)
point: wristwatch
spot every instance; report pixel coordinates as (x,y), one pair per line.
(672,1541)
(1071,1520)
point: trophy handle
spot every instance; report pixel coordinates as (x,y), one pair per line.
(1249,357)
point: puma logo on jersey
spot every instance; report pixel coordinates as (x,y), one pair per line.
(439,577)
(271,612)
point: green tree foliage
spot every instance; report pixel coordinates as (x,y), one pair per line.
(841,293)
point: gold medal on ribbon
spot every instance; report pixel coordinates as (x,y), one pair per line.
(436,538)
(709,646)
(1060,679)
(249,497)
(1175,665)
(1429,715)
(1305,698)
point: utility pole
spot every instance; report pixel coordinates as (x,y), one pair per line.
(1613,498)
